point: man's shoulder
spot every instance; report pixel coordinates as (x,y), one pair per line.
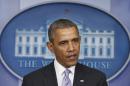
(91,76)
(90,71)
(39,72)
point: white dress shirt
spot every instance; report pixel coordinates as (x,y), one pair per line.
(59,72)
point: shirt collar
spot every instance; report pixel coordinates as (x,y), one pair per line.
(60,69)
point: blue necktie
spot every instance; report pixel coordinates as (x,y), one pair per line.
(66,80)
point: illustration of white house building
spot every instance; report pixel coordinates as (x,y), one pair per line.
(97,44)
(31,43)
(94,43)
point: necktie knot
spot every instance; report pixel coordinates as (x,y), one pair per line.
(67,72)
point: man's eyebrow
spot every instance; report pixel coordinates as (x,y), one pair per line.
(64,41)
(76,38)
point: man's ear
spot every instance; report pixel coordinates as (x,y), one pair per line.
(50,46)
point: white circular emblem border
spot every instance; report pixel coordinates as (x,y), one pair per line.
(75,2)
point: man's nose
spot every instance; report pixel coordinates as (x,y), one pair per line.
(71,46)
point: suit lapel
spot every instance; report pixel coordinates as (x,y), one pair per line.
(79,76)
(51,79)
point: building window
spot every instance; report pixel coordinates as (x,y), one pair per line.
(20,50)
(35,50)
(85,40)
(101,41)
(93,40)
(35,39)
(108,40)
(28,39)
(86,51)
(20,39)
(100,51)
(43,50)
(27,49)
(43,39)
(93,51)
(108,52)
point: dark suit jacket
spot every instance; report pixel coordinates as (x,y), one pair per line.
(84,76)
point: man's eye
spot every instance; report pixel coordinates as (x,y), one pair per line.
(63,42)
(76,40)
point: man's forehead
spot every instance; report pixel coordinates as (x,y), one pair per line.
(65,31)
(66,34)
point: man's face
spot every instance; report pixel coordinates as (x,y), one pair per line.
(66,46)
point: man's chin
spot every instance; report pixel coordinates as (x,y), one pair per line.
(72,64)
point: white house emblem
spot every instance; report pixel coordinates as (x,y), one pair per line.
(105,43)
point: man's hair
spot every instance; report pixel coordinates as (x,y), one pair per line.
(60,24)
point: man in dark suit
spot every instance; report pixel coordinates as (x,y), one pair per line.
(64,43)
